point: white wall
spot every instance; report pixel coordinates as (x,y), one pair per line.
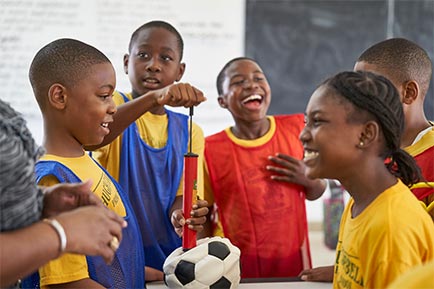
(213,33)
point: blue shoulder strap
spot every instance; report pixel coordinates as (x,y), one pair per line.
(151,177)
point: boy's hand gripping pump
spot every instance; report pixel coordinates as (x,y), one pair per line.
(190,189)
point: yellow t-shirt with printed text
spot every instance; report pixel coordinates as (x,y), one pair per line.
(391,235)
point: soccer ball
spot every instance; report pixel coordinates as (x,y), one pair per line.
(213,263)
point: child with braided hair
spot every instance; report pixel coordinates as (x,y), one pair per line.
(409,68)
(384,230)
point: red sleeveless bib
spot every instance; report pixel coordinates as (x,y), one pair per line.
(266,219)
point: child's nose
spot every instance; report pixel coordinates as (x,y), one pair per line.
(153,65)
(250,83)
(304,135)
(112,109)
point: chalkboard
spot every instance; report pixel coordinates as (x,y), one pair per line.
(299,43)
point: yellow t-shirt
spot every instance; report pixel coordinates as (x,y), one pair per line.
(424,141)
(418,277)
(73,267)
(153,131)
(390,236)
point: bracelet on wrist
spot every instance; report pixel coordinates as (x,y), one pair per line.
(60,232)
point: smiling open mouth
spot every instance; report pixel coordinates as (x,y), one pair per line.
(308,154)
(254,97)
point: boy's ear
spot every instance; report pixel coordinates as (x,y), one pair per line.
(126,58)
(57,96)
(411,92)
(181,71)
(222,102)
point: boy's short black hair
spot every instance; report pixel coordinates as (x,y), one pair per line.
(158,24)
(403,59)
(221,75)
(65,61)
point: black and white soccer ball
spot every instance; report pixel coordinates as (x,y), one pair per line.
(213,263)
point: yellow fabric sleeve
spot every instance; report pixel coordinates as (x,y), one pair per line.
(65,269)
(68,267)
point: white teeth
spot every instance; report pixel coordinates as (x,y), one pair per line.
(310,155)
(151,80)
(105,124)
(252,97)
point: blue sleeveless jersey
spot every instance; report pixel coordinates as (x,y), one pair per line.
(151,177)
(127,269)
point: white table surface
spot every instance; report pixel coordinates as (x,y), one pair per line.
(265,285)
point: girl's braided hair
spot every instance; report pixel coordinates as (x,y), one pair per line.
(374,97)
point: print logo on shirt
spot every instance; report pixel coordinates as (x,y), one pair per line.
(109,195)
(350,268)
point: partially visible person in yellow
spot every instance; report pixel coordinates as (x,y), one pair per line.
(409,68)
(418,277)
(147,158)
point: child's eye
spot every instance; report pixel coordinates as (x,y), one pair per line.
(316,121)
(142,54)
(105,96)
(166,58)
(238,82)
(313,122)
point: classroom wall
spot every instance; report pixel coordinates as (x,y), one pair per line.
(213,31)
(297,43)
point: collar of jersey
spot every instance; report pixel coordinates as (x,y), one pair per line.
(254,142)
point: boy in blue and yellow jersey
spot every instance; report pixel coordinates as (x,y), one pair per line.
(73,84)
(147,159)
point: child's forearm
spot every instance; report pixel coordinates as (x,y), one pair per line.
(180,94)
